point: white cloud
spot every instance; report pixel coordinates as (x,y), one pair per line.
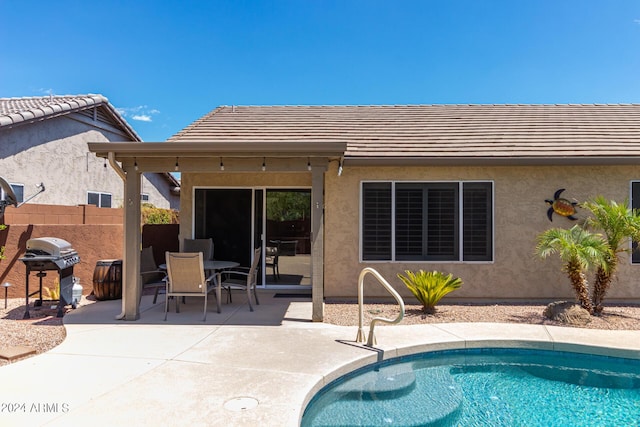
(637,21)
(140,113)
(142,117)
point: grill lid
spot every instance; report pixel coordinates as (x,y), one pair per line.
(49,245)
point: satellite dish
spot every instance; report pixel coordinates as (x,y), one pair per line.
(10,197)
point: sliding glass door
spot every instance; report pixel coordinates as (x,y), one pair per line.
(225,215)
(287,241)
(277,220)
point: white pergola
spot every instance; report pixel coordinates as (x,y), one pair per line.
(131,159)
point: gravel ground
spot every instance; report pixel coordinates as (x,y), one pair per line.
(346,314)
(44,330)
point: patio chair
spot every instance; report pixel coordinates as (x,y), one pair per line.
(185,278)
(151,276)
(199,245)
(243,278)
(271,255)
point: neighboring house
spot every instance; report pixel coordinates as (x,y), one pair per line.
(44,140)
(334,189)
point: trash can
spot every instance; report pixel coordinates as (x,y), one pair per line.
(107,279)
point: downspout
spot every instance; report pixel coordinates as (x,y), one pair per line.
(116,167)
(122,174)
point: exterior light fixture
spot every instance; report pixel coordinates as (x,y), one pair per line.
(308,164)
(264,164)
(6,286)
(177,165)
(135,164)
(340,168)
(221,164)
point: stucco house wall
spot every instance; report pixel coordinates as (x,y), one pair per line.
(520,214)
(55,153)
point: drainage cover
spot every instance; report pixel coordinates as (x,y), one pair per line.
(240,404)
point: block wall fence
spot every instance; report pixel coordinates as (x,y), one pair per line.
(96,233)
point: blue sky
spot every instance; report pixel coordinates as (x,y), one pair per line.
(166,63)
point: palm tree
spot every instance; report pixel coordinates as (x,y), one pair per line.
(619,223)
(579,250)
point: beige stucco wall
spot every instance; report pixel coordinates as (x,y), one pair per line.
(55,152)
(520,215)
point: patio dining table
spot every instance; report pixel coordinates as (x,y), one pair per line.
(216,267)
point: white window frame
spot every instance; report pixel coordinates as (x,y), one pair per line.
(100,194)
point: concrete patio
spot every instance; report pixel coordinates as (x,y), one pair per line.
(239,368)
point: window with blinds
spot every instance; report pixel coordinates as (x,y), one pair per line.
(477,221)
(376,221)
(434,221)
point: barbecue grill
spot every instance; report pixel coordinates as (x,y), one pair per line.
(50,254)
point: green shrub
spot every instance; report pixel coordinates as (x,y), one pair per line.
(429,287)
(153,215)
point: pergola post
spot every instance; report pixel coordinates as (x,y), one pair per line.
(131,286)
(317,241)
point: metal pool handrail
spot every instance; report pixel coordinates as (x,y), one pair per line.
(371,341)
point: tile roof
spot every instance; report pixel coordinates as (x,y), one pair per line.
(15,111)
(434,131)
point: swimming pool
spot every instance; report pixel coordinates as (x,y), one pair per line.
(480,387)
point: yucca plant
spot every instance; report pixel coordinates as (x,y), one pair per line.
(429,287)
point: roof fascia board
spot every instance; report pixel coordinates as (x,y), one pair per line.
(117,117)
(491,161)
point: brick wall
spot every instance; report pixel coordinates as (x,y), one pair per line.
(92,241)
(55,214)
(96,233)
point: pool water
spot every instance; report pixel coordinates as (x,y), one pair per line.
(484,387)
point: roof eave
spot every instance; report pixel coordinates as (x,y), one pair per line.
(52,111)
(491,161)
(122,122)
